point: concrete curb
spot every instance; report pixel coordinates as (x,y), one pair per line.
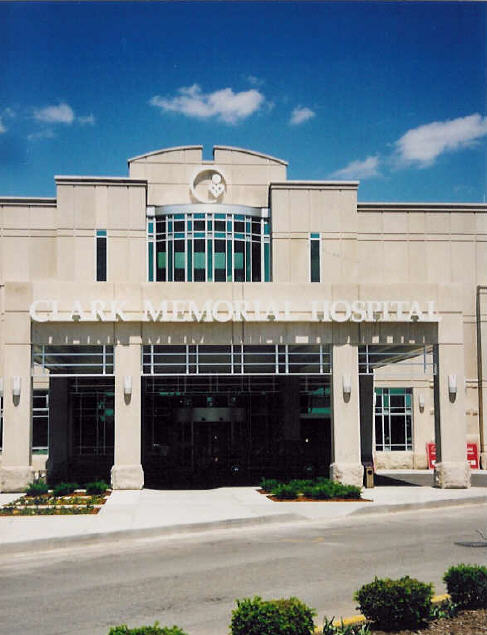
(360,619)
(403,507)
(148,532)
(232,523)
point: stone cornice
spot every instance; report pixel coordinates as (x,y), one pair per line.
(422,207)
(27,201)
(99,180)
(314,185)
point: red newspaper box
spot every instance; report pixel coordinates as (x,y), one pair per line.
(431,454)
(472,455)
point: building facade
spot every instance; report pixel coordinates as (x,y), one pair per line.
(212,321)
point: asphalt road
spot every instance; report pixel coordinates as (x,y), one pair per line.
(193,580)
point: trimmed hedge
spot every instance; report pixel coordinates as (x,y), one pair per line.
(285,491)
(63,489)
(123,629)
(318,489)
(37,488)
(96,487)
(273,617)
(396,604)
(467,586)
(268,484)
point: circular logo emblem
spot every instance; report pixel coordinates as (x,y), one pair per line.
(208,185)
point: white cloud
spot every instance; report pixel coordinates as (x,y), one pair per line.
(367,168)
(62,113)
(301,114)
(2,127)
(222,104)
(42,134)
(424,144)
(255,81)
(86,120)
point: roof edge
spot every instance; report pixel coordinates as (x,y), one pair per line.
(252,152)
(414,206)
(99,180)
(163,150)
(37,201)
(349,185)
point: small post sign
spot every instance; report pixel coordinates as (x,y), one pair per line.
(472,455)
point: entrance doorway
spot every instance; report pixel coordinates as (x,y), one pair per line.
(221,430)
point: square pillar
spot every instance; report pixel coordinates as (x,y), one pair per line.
(452,470)
(346,465)
(16,471)
(482,372)
(127,472)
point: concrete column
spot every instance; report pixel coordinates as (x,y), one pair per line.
(482,372)
(58,461)
(452,469)
(346,466)
(16,472)
(127,472)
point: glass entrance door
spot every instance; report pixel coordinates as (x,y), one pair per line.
(211,446)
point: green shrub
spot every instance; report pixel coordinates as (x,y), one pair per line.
(467,585)
(123,629)
(349,491)
(37,488)
(63,489)
(274,617)
(96,487)
(285,491)
(321,491)
(268,484)
(301,483)
(396,604)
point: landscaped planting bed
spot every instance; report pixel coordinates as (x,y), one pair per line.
(306,490)
(465,623)
(64,499)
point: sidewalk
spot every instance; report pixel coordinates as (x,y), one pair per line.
(154,512)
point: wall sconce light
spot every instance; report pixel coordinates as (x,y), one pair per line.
(452,385)
(347,385)
(421,401)
(16,386)
(127,385)
(1,386)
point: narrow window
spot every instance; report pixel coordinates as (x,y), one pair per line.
(150,250)
(101,255)
(314,250)
(40,421)
(393,419)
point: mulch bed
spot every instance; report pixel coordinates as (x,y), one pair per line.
(302,499)
(465,623)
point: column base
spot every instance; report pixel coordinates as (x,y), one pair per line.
(15,479)
(483,460)
(347,473)
(127,477)
(452,475)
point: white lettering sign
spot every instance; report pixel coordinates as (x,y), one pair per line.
(237,311)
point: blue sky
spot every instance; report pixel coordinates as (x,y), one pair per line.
(391,93)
